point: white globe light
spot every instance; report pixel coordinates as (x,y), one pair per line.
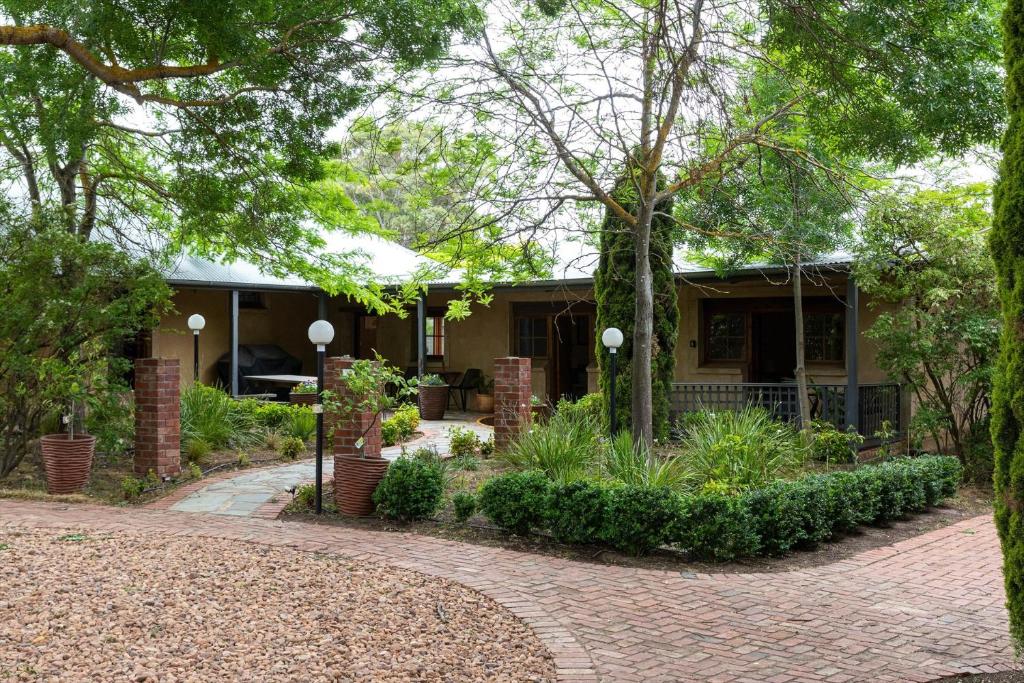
(321,332)
(196,322)
(612,338)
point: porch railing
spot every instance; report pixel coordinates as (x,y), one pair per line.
(878,402)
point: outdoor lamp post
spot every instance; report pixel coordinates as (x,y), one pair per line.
(196,323)
(612,339)
(321,333)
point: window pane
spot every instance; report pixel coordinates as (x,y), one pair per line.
(726,336)
(824,335)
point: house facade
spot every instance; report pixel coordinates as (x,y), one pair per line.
(736,336)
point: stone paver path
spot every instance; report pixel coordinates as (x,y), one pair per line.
(243,494)
(924,608)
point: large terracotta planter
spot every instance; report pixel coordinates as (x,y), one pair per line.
(355,480)
(484,403)
(433,401)
(67,461)
(304,399)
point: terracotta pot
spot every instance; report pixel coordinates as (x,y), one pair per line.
(433,401)
(355,480)
(484,403)
(305,399)
(67,461)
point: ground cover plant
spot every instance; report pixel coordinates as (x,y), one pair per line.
(400,425)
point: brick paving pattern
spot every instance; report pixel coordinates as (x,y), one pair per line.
(921,609)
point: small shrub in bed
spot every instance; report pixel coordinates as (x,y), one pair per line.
(841,501)
(777,514)
(715,527)
(292,447)
(462,442)
(411,489)
(639,519)
(464,503)
(301,422)
(577,511)
(833,446)
(517,502)
(401,425)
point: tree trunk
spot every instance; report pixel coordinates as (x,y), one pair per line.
(643,332)
(803,400)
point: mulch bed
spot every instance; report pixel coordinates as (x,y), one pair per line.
(117,607)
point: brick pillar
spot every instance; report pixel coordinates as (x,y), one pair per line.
(512,391)
(157,416)
(354,481)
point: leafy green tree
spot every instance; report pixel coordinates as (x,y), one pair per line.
(577,90)
(613,288)
(69,307)
(197,124)
(775,208)
(922,260)
(1007,244)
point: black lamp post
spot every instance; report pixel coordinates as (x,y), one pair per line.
(612,339)
(321,333)
(196,323)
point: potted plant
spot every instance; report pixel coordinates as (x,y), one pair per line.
(360,406)
(67,457)
(485,395)
(303,393)
(433,392)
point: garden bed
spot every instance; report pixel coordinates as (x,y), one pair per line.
(969,502)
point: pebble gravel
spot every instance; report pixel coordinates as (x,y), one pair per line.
(162,609)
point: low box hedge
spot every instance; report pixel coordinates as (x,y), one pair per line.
(771,520)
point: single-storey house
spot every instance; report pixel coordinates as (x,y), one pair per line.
(736,334)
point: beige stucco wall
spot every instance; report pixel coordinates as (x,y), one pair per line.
(689,368)
(284,322)
(471,343)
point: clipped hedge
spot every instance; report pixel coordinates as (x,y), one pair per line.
(411,489)
(771,520)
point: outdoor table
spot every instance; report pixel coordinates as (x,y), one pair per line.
(283,379)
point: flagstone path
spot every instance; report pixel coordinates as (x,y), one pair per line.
(253,492)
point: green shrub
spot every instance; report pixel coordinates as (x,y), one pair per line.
(577,511)
(841,501)
(517,502)
(306,496)
(210,415)
(715,527)
(487,446)
(195,471)
(589,410)
(815,509)
(633,464)
(868,487)
(411,489)
(401,425)
(777,515)
(561,448)
(270,415)
(833,446)
(197,451)
(742,449)
(464,503)
(132,487)
(292,447)
(640,519)
(462,442)
(243,460)
(466,462)
(301,423)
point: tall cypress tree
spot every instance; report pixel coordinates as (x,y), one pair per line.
(1007,242)
(614,289)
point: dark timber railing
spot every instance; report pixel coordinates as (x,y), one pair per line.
(877,402)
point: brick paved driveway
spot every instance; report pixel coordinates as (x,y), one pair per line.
(921,609)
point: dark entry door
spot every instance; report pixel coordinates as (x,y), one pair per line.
(366,336)
(774,346)
(574,341)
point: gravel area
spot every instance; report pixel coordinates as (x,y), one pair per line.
(115,607)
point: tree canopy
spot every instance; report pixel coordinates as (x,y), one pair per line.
(198,123)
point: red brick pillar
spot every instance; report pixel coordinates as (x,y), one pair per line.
(357,471)
(157,416)
(512,391)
